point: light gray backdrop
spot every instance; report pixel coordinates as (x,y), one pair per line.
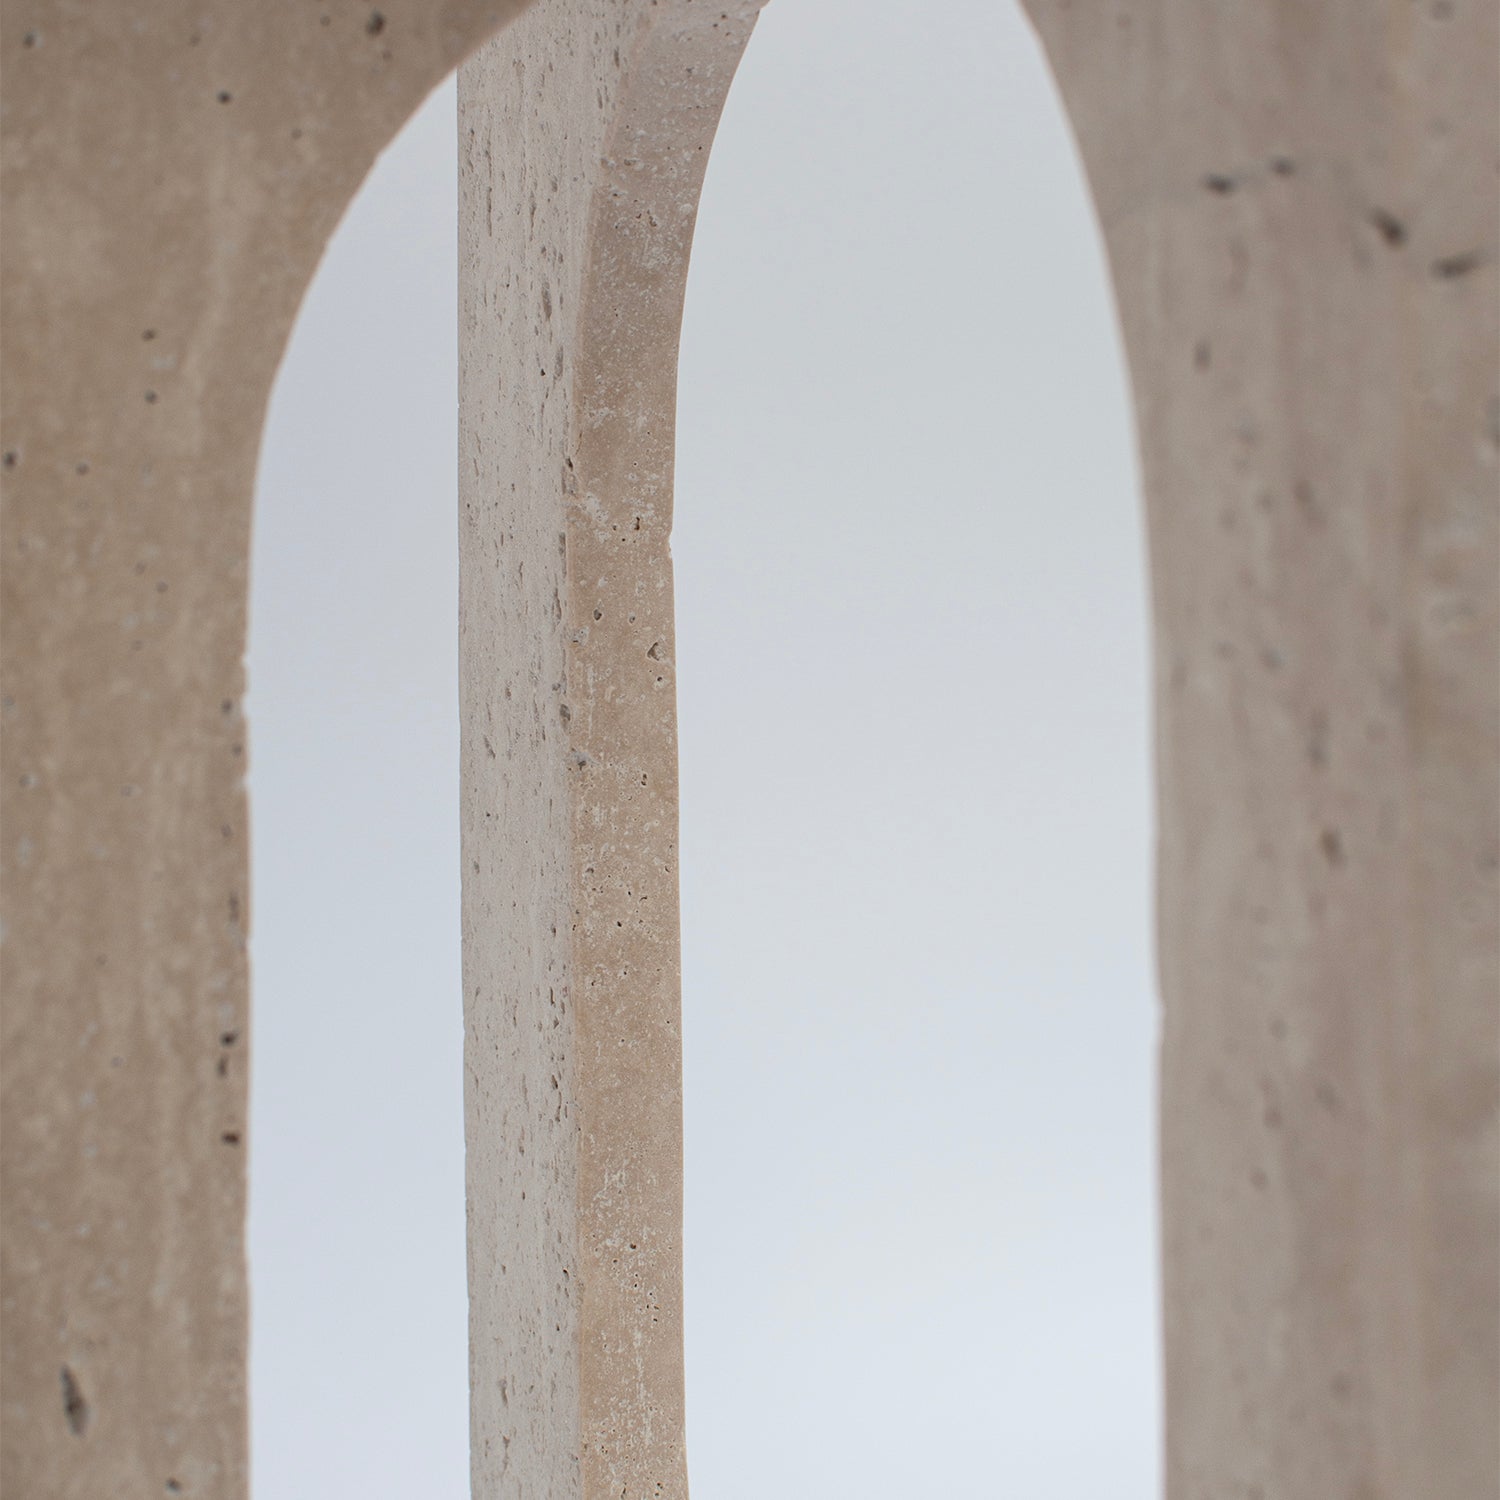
(919,1014)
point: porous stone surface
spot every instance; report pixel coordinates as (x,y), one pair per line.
(171,171)
(1300,206)
(584,132)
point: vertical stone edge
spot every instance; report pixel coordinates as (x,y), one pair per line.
(624,739)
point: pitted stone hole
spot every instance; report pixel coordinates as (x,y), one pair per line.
(1390,228)
(910,659)
(75,1409)
(1451,267)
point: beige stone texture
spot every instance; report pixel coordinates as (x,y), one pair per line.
(171,172)
(1299,202)
(1300,207)
(573,260)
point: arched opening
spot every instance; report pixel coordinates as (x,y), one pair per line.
(358,1360)
(1323,548)
(918,1008)
(913,707)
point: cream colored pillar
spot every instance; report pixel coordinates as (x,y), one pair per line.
(1301,212)
(171,171)
(584,131)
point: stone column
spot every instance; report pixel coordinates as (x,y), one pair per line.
(1299,204)
(584,132)
(1300,207)
(171,172)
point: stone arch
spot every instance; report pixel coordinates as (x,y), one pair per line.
(1299,216)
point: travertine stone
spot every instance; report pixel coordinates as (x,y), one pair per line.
(171,172)
(1300,207)
(584,131)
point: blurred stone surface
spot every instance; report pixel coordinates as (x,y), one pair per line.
(171,173)
(1300,209)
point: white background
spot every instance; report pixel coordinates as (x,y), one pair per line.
(918,1011)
